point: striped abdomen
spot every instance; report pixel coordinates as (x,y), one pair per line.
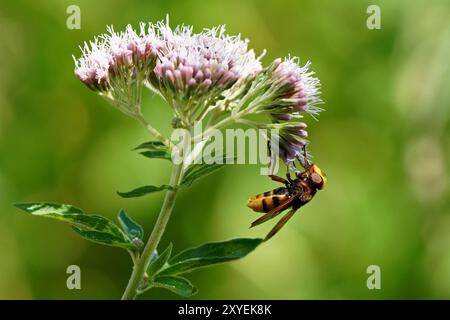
(266,201)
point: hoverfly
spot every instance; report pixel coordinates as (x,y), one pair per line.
(296,193)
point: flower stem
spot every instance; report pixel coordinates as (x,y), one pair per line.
(152,130)
(141,264)
(219,125)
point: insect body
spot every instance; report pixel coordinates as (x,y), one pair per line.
(269,200)
(296,193)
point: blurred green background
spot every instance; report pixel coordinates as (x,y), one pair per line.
(383,141)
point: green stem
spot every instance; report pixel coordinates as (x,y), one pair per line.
(152,130)
(219,125)
(225,122)
(158,230)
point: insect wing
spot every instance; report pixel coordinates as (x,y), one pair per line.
(280,224)
(274,212)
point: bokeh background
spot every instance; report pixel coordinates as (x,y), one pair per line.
(383,141)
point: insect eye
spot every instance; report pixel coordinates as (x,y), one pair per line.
(316,178)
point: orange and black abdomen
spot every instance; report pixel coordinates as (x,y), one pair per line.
(266,201)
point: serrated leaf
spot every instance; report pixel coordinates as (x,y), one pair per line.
(196,171)
(81,221)
(142,191)
(178,285)
(159,262)
(210,254)
(131,228)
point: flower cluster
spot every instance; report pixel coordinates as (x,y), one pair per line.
(93,67)
(197,73)
(117,63)
(297,91)
(193,70)
(284,91)
(292,143)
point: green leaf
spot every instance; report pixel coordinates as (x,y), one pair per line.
(196,171)
(157,155)
(178,285)
(153,257)
(43,208)
(131,228)
(155,149)
(151,145)
(154,267)
(93,227)
(209,254)
(142,191)
(105,238)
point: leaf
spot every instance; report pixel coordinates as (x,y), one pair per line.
(159,262)
(155,149)
(178,285)
(157,154)
(153,257)
(151,145)
(209,254)
(196,171)
(142,191)
(93,227)
(131,228)
(44,208)
(102,238)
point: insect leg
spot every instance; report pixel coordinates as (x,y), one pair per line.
(278,179)
(288,176)
(305,162)
(280,224)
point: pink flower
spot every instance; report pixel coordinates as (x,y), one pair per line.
(298,91)
(115,58)
(199,67)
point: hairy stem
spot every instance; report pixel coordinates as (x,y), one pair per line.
(158,230)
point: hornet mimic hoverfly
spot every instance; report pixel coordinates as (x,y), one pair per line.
(296,193)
